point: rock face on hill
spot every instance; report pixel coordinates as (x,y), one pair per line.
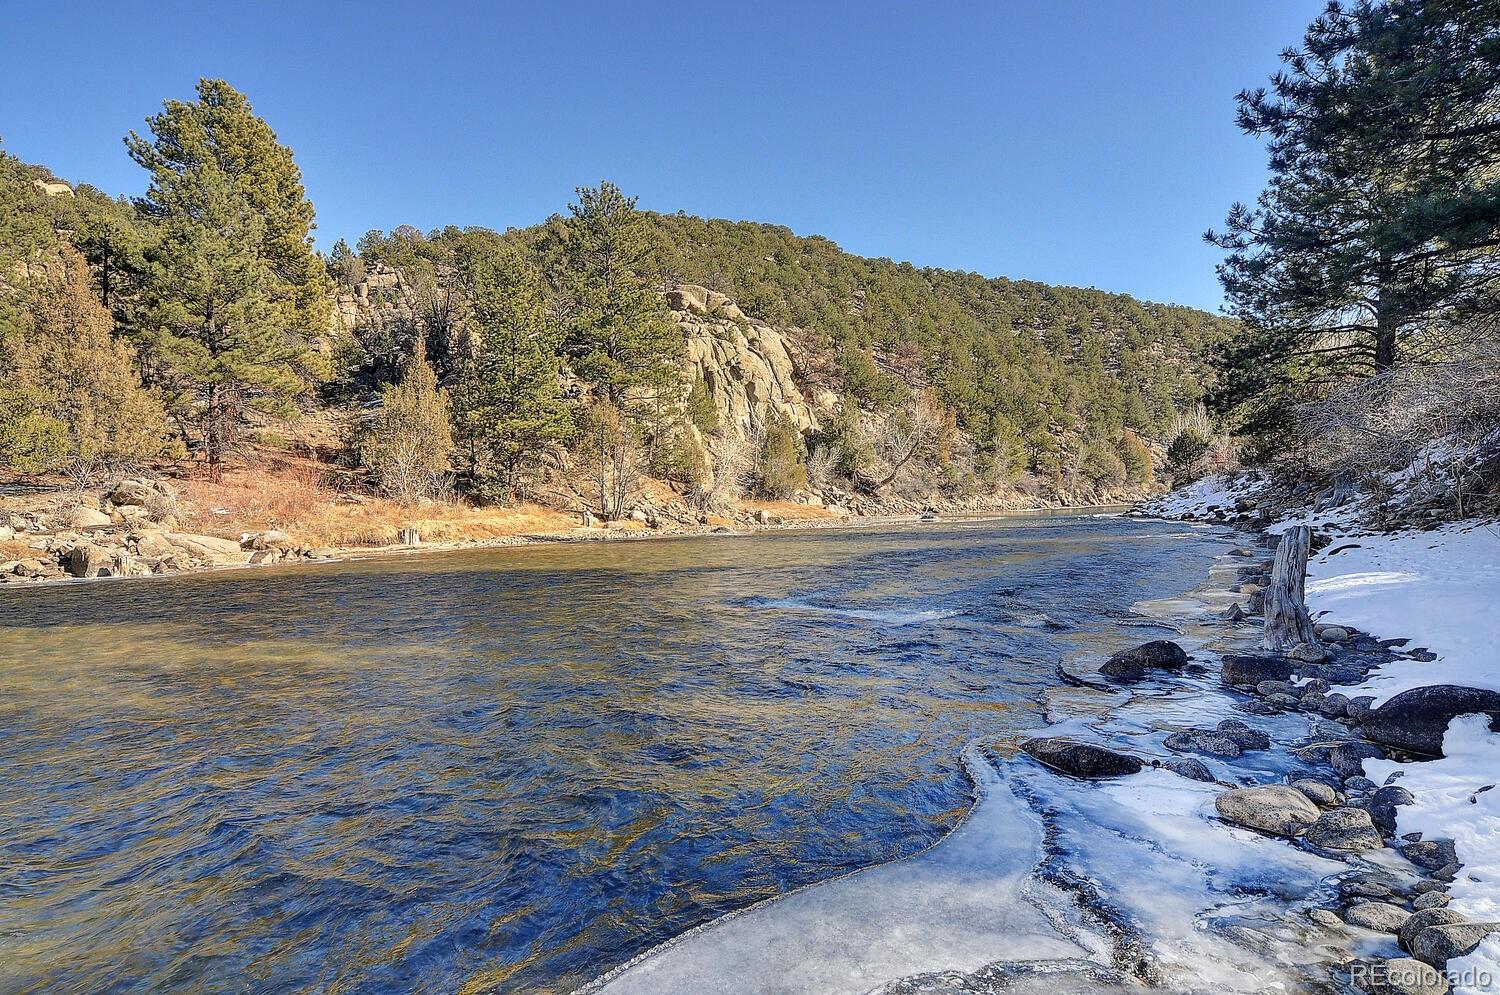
(749,367)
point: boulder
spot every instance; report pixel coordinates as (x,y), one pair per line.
(1359,707)
(1436,945)
(271,539)
(1383,805)
(88,560)
(1421,920)
(1246,737)
(1321,794)
(1132,664)
(1270,808)
(1188,767)
(1430,900)
(1345,829)
(1416,720)
(1367,884)
(1335,705)
(1251,671)
(1348,759)
(1382,917)
(1308,653)
(203,547)
(1399,976)
(1203,741)
(1431,854)
(87,518)
(1080,759)
(1332,633)
(156,496)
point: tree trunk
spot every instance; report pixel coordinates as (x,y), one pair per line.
(1287,622)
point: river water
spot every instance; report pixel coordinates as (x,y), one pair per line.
(514,769)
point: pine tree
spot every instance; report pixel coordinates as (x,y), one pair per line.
(618,338)
(1382,216)
(221,129)
(231,293)
(508,403)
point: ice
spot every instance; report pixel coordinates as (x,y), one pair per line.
(959,906)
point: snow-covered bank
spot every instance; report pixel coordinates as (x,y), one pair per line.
(1438,588)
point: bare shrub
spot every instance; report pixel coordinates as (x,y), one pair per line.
(1431,430)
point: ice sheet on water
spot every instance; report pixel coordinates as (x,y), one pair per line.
(961,905)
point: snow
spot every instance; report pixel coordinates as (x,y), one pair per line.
(1220,490)
(1440,589)
(1451,801)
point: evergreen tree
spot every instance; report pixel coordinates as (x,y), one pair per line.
(220,129)
(70,398)
(228,285)
(618,337)
(1382,216)
(508,403)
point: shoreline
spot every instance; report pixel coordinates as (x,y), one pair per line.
(577,536)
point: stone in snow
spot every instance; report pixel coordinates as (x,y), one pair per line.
(1417,720)
(1381,917)
(1345,829)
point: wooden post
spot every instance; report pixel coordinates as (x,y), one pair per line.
(409,537)
(1287,621)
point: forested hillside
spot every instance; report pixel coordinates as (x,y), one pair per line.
(550,363)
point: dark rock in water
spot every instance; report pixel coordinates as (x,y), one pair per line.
(1203,741)
(1359,783)
(1348,759)
(1312,701)
(1430,900)
(1255,706)
(1367,884)
(1283,701)
(1248,671)
(1345,829)
(1431,854)
(1416,720)
(1383,806)
(1436,945)
(1190,768)
(1267,688)
(1243,735)
(1132,664)
(1234,613)
(1081,759)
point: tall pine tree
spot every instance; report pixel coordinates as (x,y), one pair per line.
(508,404)
(618,337)
(233,290)
(1382,217)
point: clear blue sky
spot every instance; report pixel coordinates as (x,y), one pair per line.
(1084,142)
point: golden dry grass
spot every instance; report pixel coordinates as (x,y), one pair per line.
(296,496)
(790,510)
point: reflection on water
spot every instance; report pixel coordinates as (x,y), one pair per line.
(512,769)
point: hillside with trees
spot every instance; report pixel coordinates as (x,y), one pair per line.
(608,362)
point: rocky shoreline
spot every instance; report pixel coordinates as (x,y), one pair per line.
(135,533)
(1325,804)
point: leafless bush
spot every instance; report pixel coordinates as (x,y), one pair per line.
(1431,429)
(822,466)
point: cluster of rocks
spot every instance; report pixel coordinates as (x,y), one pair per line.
(135,532)
(1328,805)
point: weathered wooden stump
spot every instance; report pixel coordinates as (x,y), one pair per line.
(409,537)
(1287,621)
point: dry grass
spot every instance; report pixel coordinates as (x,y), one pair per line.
(789,510)
(11,549)
(296,496)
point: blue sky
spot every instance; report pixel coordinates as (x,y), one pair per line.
(1080,142)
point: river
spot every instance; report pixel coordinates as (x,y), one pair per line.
(513,769)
